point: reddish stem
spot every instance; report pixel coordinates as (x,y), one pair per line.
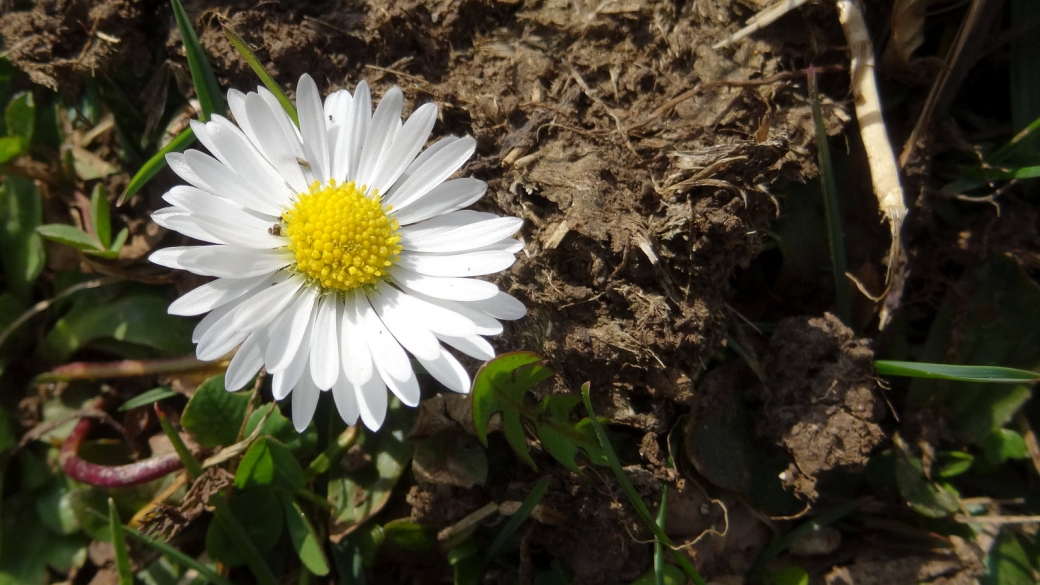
(115,475)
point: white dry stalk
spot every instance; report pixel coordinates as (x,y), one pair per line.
(761,20)
(884,171)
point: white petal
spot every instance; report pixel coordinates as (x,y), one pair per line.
(203,203)
(275,145)
(501,306)
(251,234)
(458,232)
(325,348)
(433,172)
(371,399)
(346,401)
(290,330)
(444,198)
(266,184)
(355,356)
(421,160)
(464,264)
(486,325)
(362,114)
(247,361)
(268,304)
(214,317)
(237,103)
(282,382)
(304,402)
(183,222)
(339,114)
(380,136)
(409,330)
(389,359)
(454,289)
(448,371)
(212,176)
(427,315)
(312,127)
(474,346)
(211,295)
(219,339)
(406,145)
(199,128)
(222,261)
(288,128)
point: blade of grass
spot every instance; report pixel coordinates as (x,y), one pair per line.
(658,547)
(234,529)
(210,98)
(126,576)
(150,397)
(518,518)
(261,72)
(633,496)
(1023,136)
(336,448)
(155,164)
(178,556)
(832,209)
(992,374)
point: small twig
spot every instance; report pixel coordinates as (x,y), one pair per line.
(760,20)
(1030,439)
(126,369)
(998,520)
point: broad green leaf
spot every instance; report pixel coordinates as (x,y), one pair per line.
(260,514)
(20,116)
(1008,563)
(211,99)
(21,248)
(560,437)
(988,319)
(157,163)
(269,463)
(214,415)
(10,148)
(303,537)
(261,72)
(147,398)
(407,535)
(953,463)
(100,215)
(999,445)
(55,510)
(500,386)
(68,235)
(991,374)
(138,318)
(359,494)
(115,527)
(277,426)
(924,496)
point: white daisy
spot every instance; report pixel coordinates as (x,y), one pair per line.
(337,247)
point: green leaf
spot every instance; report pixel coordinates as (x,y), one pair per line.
(68,235)
(303,537)
(999,445)
(991,374)
(210,97)
(277,426)
(115,527)
(562,439)
(117,244)
(260,514)
(953,463)
(269,463)
(214,415)
(359,494)
(147,398)
(55,510)
(925,497)
(408,535)
(672,575)
(11,147)
(1008,563)
(178,556)
(793,575)
(500,386)
(261,72)
(100,215)
(20,116)
(21,248)
(157,163)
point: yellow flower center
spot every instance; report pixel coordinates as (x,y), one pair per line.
(342,239)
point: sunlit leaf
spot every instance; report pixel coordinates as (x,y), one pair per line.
(408,535)
(991,374)
(214,415)
(953,463)
(261,72)
(211,99)
(304,539)
(269,463)
(281,428)
(1008,563)
(100,215)
(999,445)
(500,386)
(68,235)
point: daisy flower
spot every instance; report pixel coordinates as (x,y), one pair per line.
(338,250)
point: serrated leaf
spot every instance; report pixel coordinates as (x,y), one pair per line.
(211,100)
(68,235)
(21,248)
(269,463)
(556,432)
(214,415)
(303,537)
(500,386)
(147,398)
(100,215)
